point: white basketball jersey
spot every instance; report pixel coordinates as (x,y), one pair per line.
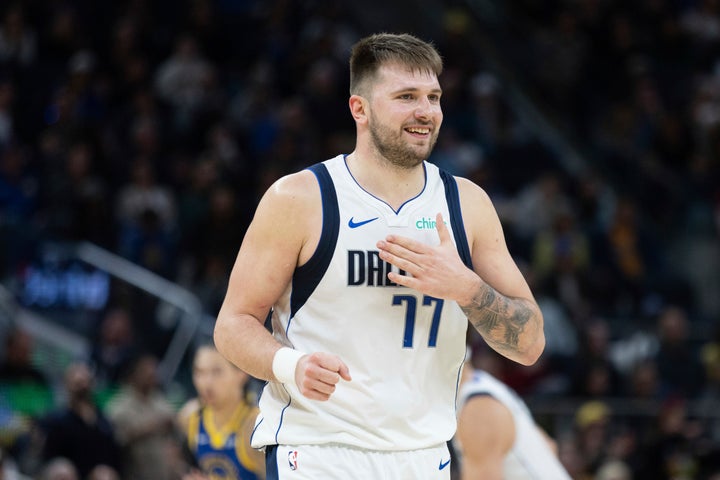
(404,349)
(530,457)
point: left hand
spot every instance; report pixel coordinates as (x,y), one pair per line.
(437,271)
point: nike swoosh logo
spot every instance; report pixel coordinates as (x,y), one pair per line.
(353,224)
(443,465)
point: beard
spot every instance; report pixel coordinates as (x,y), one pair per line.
(395,149)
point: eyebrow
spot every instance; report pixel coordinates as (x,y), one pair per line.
(414,89)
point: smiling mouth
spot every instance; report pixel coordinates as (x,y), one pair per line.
(418,130)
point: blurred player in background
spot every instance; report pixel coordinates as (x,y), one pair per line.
(497,437)
(219,422)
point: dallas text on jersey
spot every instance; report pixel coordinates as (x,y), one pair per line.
(366,268)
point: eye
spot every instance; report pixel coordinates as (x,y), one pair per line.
(406,96)
(434,98)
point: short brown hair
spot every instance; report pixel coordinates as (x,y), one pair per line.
(371,52)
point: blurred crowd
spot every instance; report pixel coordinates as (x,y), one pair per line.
(151,129)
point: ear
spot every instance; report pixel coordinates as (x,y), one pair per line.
(358,107)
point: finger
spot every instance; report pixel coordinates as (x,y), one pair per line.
(324,375)
(344,372)
(318,386)
(407,243)
(313,395)
(404,280)
(400,262)
(339,369)
(442,229)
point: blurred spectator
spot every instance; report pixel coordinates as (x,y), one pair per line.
(571,457)
(80,431)
(143,421)
(709,397)
(644,381)
(18,42)
(561,262)
(222,229)
(456,155)
(77,203)
(677,359)
(59,468)
(614,470)
(632,254)
(89,100)
(185,80)
(113,346)
(561,248)
(147,214)
(7,121)
(103,472)
(670,449)
(18,186)
(592,434)
(16,365)
(534,209)
(593,372)
(9,469)
(24,385)
(142,194)
(211,284)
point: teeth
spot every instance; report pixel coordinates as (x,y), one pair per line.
(419,130)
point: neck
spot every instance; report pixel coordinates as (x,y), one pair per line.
(392,184)
(223,413)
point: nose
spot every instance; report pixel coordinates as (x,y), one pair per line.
(422,110)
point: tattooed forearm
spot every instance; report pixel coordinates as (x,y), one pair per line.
(500,320)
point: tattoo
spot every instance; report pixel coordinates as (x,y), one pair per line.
(499,319)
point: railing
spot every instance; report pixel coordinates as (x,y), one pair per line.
(165,290)
(76,344)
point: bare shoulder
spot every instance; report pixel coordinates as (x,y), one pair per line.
(482,224)
(473,196)
(295,191)
(291,205)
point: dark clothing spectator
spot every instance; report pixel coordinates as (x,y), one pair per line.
(87,444)
(80,431)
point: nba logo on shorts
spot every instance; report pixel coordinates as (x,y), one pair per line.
(292,459)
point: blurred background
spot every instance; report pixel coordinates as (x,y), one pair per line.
(136,138)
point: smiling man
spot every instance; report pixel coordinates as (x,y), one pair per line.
(373,264)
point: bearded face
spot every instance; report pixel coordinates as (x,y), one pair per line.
(395,146)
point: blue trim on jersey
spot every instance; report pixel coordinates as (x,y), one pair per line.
(479,394)
(271,464)
(458,227)
(457,381)
(252,434)
(380,199)
(307,277)
(282,414)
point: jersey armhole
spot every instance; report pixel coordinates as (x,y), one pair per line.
(308,276)
(452,195)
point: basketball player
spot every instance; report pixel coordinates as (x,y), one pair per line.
(372,263)
(218,424)
(497,437)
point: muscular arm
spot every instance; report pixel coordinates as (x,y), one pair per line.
(283,234)
(502,307)
(502,320)
(263,269)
